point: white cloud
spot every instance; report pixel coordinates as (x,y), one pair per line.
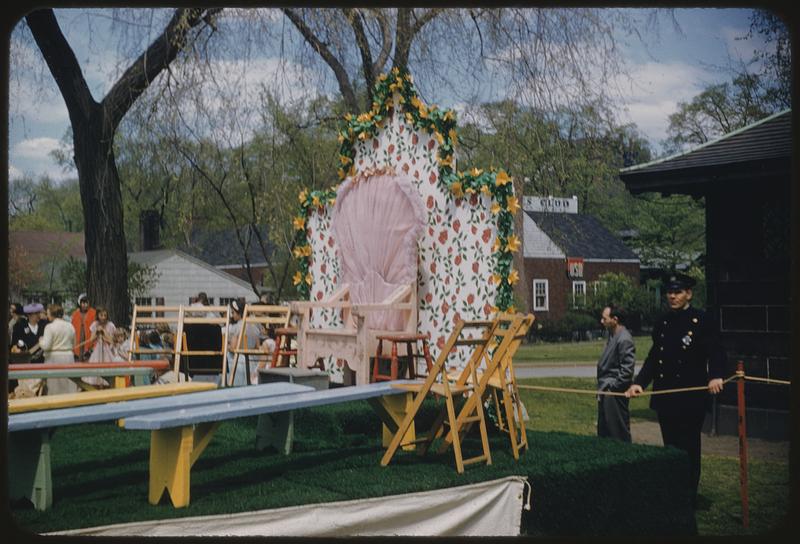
(35,148)
(653,94)
(31,157)
(14,172)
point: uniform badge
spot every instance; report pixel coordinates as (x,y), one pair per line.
(687,340)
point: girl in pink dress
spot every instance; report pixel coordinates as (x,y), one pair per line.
(102,330)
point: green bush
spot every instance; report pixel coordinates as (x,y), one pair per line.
(581,485)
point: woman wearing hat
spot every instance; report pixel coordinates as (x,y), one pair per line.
(28,331)
(82,320)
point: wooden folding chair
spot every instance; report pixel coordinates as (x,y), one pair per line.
(151,316)
(497,378)
(259,314)
(191,316)
(437,383)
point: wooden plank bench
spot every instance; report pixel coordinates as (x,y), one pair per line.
(101,396)
(179,437)
(30,432)
(76,371)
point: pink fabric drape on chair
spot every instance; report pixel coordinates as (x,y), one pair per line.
(376,223)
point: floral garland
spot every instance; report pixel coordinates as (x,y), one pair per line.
(442,125)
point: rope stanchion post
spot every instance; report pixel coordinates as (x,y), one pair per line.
(742,443)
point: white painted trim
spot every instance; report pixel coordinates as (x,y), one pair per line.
(546,307)
(631,261)
(574,284)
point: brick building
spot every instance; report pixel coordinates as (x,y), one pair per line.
(566,252)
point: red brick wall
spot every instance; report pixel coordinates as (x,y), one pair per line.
(560,285)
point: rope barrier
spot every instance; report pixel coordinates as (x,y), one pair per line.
(767,380)
(618,394)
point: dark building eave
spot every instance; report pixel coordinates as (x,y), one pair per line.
(703,179)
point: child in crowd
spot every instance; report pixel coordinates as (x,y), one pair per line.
(102,331)
(267,346)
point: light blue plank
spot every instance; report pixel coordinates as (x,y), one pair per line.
(78,373)
(114,410)
(244,408)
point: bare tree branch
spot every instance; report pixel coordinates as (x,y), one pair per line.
(339,71)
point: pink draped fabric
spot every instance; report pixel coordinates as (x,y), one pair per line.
(376,223)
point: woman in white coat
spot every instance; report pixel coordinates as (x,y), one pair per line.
(57,342)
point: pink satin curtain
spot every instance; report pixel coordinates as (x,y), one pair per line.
(376,223)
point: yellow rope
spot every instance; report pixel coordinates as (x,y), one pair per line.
(618,394)
(767,380)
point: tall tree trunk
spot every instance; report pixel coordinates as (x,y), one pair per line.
(93,127)
(101,199)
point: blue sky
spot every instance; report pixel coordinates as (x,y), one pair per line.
(675,67)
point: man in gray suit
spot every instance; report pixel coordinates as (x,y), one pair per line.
(615,373)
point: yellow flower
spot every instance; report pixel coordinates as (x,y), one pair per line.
(352,171)
(331,201)
(439,137)
(496,208)
(447,161)
(423,111)
(455,188)
(341,173)
(513,277)
(297,278)
(409,119)
(308,278)
(382,77)
(501,178)
(298,251)
(344,159)
(448,115)
(299,222)
(303,195)
(415,101)
(494,279)
(363,117)
(511,309)
(340,137)
(512,204)
(348,117)
(315,201)
(513,243)
(362,135)
(475,172)
(469,191)
(486,190)
(408,78)
(496,245)
(453,137)
(395,70)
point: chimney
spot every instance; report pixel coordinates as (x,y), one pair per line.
(149,230)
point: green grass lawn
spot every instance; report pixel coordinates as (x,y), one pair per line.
(719,480)
(574,352)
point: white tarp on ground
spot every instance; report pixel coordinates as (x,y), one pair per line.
(492,508)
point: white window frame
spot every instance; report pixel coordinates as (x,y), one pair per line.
(575,284)
(546,306)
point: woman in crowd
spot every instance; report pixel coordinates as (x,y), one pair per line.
(57,343)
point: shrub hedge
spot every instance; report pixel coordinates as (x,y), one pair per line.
(581,485)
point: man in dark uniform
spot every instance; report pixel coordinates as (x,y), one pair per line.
(685,353)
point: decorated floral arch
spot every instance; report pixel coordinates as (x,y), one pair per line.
(465,255)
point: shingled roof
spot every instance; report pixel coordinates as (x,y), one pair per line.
(582,235)
(763,147)
(221,247)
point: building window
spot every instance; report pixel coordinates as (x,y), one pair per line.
(541,298)
(159,302)
(225,301)
(578,294)
(144,301)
